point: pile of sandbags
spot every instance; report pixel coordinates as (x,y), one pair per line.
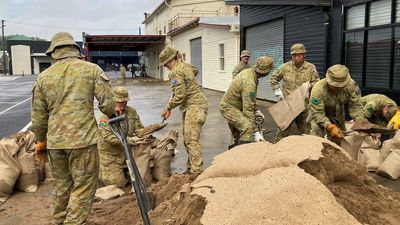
(261,183)
(17,165)
(153,156)
(390,152)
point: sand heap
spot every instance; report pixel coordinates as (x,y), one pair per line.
(299,180)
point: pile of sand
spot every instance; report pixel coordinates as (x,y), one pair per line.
(299,180)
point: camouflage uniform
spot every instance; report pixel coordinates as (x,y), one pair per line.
(293,78)
(326,107)
(193,104)
(122,73)
(373,108)
(241,65)
(238,105)
(112,159)
(62,114)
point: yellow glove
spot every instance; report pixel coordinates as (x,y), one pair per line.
(334,131)
(395,121)
(41,152)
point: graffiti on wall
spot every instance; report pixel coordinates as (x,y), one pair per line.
(275,52)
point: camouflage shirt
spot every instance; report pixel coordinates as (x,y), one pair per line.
(239,68)
(242,93)
(293,77)
(107,139)
(62,103)
(186,91)
(122,70)
(326,106)
(374,105)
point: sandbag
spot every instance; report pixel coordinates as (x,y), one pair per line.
(396,140)
(391,166)
(141,150)
(371,158)
(28,180)
(352,143)
(371,142)
(9,167)
(387,148)
(162,156)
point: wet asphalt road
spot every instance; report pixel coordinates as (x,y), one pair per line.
(15,103)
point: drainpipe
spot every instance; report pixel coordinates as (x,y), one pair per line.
(326,26)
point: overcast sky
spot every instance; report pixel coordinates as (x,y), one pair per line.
(74,16)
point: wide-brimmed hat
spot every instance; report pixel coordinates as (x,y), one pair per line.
(264,65)
(338,75)
(167,55)
(61,39)
(121,94)
(298,49)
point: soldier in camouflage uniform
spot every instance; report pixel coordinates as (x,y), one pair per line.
(122,73)
(193,104)
(294,74)
(238,105)
(327,101)
(378,108)
(63,122)
(112,159)
(243,64)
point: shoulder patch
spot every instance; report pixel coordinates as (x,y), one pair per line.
(370,109)
(315,101)
(252,94)
(103,122)
(174,82)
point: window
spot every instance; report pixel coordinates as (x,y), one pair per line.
(378,58)
(355,17)
(354,51)
(398,11)
(222,56)
(380,12)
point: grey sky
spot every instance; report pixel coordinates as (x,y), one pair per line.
(95,16)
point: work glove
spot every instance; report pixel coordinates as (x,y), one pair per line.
(334,131)
(166,114)
(258,136)
(258,114)
(41,152)
(395,121)
(279,94)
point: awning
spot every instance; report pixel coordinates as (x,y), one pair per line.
(121,42)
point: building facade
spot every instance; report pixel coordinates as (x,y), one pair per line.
(364,35)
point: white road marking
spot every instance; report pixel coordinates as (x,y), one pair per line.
(26,127)
(8,102)
(15,105)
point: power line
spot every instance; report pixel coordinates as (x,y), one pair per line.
(67,28)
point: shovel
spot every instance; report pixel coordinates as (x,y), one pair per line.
(119,127)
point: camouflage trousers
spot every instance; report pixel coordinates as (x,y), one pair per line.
(193,119)
(123,78)
(302,125)
(75,174)
(319,130)
(112,165)
(242,128)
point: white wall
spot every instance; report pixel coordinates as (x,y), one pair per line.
(201,7)
(157,23)
(212,76)
(21,59)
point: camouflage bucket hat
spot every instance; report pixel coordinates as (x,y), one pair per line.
(61,39)
(298,49)
(245,53)
(338,75)
(121,94)
(167,55)
(264,65)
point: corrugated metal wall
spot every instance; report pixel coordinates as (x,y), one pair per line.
(265,39)
(304,24)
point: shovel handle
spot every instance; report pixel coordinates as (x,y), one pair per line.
(116,119)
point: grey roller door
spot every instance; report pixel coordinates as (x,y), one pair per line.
(265,39)
(195,51)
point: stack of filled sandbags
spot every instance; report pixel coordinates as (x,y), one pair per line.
(17,164)
(261,183)
(390,152)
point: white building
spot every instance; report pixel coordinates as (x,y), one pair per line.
(205,32)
